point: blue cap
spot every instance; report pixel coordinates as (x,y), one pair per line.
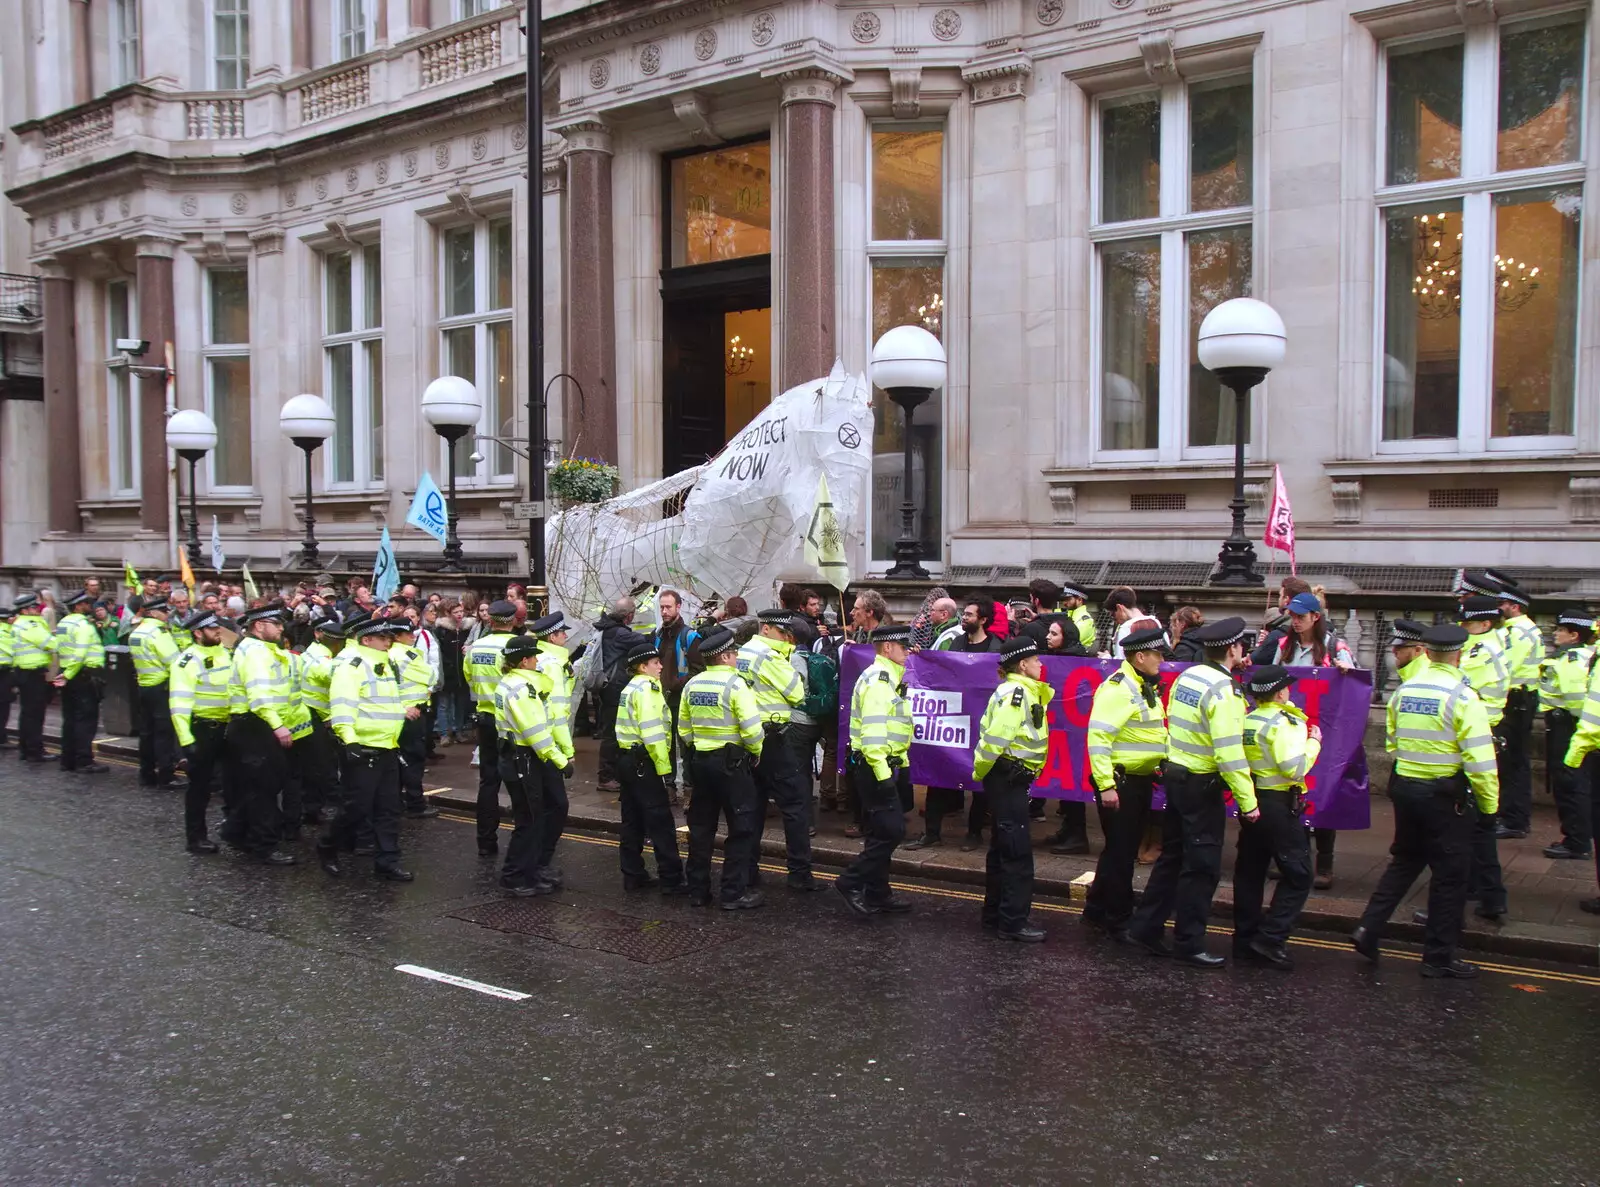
(1305,603)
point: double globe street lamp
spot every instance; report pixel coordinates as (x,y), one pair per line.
(308,421)
(1240,342)
(909,363)
(453,407)
(191,434)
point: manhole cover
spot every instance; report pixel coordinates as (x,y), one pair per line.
(648,941)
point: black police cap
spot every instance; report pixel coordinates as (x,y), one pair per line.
(1445,637)
(520,648)
(1018,647)
(716,641)
(544,627)
(502,609)
(1224,633)
(1150,638)
(1479,608)
(1267,679)
(641,652)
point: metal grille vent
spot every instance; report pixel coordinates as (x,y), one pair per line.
(1472,498)
(1158,501)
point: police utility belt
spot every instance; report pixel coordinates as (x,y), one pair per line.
(1006,765)
(893,762)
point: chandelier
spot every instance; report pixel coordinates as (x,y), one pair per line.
(1437,282)
(740,357)
(931,313)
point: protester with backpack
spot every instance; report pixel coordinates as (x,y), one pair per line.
(672,640)
(809,721)
(617,637)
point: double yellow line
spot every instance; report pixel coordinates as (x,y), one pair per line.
(1509,970)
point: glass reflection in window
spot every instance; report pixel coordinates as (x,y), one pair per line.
(721,204)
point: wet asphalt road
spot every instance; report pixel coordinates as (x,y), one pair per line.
(173,1019)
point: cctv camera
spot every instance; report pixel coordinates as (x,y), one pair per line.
(475,457)
(133,346)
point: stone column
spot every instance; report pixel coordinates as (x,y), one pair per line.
(157,326)
(61,398)
(591,295)
(82,55)
(808,323)
(299,35)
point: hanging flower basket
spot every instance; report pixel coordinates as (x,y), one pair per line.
(582,480)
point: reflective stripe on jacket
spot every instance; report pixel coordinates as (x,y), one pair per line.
(1437,728)
(481,664)
(555,665)
(880,716)
(364,699)
(154,650)
(1014,725)
(1127,727)
(1523,645)
(1083,619)
(197,686)
(718,709)
(1483,664)
(78,645)
(32,643)
(316,669)
(1564,679)
(764,663)
(261,682)
(1205,729)
(643,719)
(1279,746)
(522,714)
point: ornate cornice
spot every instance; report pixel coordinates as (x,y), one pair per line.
(812,84)
(587,135)
(999,78)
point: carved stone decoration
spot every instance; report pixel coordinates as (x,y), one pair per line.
(588,136)
(947,24)
(1476,12)
(239,204)
(763,28)
(1049,11)
(77,218)
(1121,3)
(1347,500)
(124,206)
(99,212)
(1063,502)
(555,170)
(519,137)
(905,93)
(291,196)
(599,73)
(1160,59)
(810,86)
(441,155)
(694,113)
(705,43)
(320,189)
(380,170)
(190,206)
(1255,502)
(54,224)
(866,27)
(268,241)
(409,163)
(1583,494)
(650,58)
(479,146)
(994,79)
(352,179)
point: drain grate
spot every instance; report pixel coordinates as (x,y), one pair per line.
(647,941)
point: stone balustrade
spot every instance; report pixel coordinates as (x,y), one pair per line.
(334,94)
(78,132)
(218,118)
(460,54)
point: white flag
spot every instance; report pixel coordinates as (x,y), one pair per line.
(219,559)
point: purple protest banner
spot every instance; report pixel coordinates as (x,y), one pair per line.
(949,691)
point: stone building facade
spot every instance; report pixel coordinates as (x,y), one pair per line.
(738,191)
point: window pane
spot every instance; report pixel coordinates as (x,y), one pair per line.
(461,358)
(1536,245)
(375,405)
(122,415)
(372,287)
(338,300)
(459,256)
(1220,126)
(907,292)
(907,184)
(1422,322)
(342,393)
(502,402)
(116,315)
(1425,114)
(721,204)
(230,306)
(1219,270)
(1130,159)
(1541,75)
(230,408)
(1130,344)
(502,269)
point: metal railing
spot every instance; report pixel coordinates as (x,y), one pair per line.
(21,298)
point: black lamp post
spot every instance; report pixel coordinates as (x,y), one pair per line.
(308,421)
(453,407)
(1240,342)
(191,434)
(909,363)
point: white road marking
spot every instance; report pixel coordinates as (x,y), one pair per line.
(416,970)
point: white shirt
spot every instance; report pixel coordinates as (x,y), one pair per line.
(429,646)
(1140,621)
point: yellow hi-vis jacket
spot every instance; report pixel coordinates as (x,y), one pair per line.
(32,643)
(718,709)
(416,674)
(1564,679)
(1483,664)
(643,719)
(198,687)
(880,717)
(1523,645)
(1586,737)
(1437,728)
(1127,727)
(297,717)
(1279,746)
(78,646)
(6,645)
(364,696)
(262,681)
(1083,618)
(153,649)
(522,714)
(316,669)
(1014,725)
(1205,729)
(765,665)
(481,664)
(555,665)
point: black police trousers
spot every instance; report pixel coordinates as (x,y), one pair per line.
(413,753)
(555,808)
(1185,876)
(1278,836)
(778,781)
(7,684)
(1434,821)
(316,761)
(1569,788)
(1515,733)
(80,718)
(723,788)
(883,811)
(158,745)
(205,765)
(943,801)
(33,693)
(1110,898)
(371,799)
(521,769)
(647,813)
(258,768)
(488,813)
(1008,872)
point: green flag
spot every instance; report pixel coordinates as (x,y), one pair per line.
(824,548)
(250,590)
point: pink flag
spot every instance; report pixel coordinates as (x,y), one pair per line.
(1280,519)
